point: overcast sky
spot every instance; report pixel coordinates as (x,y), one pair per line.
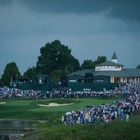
(90,28)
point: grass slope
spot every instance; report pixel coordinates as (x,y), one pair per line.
(27,109)
(117,130)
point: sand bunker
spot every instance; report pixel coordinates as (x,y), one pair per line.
(2,103)
(54,104)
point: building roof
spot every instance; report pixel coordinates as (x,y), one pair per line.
(114,56)
(123,73)
(81,72)
(109,63)
(41,75)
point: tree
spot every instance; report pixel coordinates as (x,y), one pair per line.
(56,76)
(0,83)
(11,73)
(87,64)
(100,59)
(74,64)
(55,56)
(59,76)
(138,66)
(29,73)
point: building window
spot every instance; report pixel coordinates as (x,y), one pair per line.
(79,80)
(99,80)
(72,81)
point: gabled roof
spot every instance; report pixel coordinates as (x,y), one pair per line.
(122,73)
(81,72)
(114,56)
(41,75)
(109,63)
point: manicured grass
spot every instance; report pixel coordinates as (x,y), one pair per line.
(117,130)
(29,109)
(52,129)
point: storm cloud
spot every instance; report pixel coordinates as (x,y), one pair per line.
(90,28)
(124,9)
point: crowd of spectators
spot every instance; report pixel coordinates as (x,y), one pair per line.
(127,105)
(122,91)
(106,113)
(6,92)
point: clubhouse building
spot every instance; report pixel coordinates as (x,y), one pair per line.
(104,75)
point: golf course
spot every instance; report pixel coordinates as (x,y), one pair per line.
(29,109)
(46,114)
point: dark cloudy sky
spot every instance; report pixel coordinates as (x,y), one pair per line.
(90,28)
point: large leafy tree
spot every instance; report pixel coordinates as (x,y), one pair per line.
(30,73)
(87,64)
(11,73)
(0,83)
(56,76)
(73,64)
(100,59)
(55,56)
(138,66)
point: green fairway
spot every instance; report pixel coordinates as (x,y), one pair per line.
(52,128)
(30,109)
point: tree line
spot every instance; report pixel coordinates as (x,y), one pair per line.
(55,60)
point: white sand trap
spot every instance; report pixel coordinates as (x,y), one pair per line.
(2,103)
(54,104)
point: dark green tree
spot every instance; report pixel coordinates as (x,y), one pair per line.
(56,76)
(1,83)
(100,59)
(30,73)
(87,64)
(73,65)
(55,56)
(11,73)
(138,66)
